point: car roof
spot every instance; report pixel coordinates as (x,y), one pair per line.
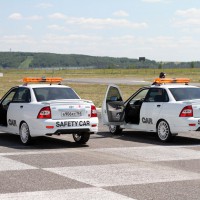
(173,86)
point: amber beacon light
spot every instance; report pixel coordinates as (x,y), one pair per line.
(42,80)
(172,80)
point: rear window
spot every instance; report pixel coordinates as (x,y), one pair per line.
(181,94)
(54,93)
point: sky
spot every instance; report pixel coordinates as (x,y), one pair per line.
(160,30)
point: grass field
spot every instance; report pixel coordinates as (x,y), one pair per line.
(95,92)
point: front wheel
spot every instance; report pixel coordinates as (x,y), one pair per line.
(163,131)
(115,129)
(81,138)
(24,133)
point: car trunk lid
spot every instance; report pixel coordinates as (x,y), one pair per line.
(70,109)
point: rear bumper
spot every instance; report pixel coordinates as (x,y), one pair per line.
(43,127)
(185,125)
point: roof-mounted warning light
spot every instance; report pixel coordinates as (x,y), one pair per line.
(171,80)
(42,80)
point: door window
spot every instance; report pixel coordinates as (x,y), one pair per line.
(113,95)
(22,95)
(9,97)
(139,97)
(157,95)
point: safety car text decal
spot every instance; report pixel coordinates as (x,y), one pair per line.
(72,123)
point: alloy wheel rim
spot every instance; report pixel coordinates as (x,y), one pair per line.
(112,128)
(24,133)
(77,137)
(163,130)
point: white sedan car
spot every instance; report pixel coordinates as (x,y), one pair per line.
(167,107)
(32,110)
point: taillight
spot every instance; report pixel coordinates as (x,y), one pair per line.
(45,113)
(187,111)
(93,111)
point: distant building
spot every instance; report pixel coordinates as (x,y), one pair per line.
(141,58)
(1,74)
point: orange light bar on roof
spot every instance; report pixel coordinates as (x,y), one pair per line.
(172,80)
(42,80)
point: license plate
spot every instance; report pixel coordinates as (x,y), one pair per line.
(71,114)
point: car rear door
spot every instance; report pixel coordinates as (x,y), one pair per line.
(18,108)
(113,107)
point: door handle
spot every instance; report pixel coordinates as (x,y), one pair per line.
(158,106)
(21,106)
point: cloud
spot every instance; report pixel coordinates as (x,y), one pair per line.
(187,18)
(56,27)
(121,13)
(15,16)
(19,16)
(153,1)
(72,38)
(98,23)
(58,16)
(44,5)
(189,13)
(29,27)
(16,39)
(35,17)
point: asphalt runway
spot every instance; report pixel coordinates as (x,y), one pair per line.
(127,81)
(134,165)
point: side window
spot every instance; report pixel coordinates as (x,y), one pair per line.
(22,95)
(113,94)
(157,95)
(9,97)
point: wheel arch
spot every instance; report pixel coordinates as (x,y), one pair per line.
(161,119)
(169,124)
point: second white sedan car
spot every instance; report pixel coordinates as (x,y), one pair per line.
(168,107)
(32,110)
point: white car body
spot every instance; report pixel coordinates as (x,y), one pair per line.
(66,116)
(142,113)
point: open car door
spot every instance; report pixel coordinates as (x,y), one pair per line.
(113,107)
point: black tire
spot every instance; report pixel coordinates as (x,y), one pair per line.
(24,134)
(163,131)
(81,138)
(115,129)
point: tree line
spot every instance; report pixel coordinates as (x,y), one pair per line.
(52,60)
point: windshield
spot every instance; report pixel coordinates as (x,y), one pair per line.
(54,93)
(181,94)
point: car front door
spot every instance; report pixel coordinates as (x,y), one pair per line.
(152,106)
(133,106)
(4,105)
(113,107)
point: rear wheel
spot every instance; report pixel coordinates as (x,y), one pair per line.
(24,133)
(115,129)
(163,131)
(81,138)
